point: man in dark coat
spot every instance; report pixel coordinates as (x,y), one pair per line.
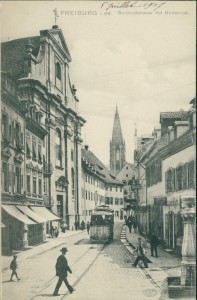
(13,266)
(154,241)
(62,269)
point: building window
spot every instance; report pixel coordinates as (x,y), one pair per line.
(72,155)
(34,186)
(40,186)
(179,178)
(73,181)
(28,147)
(126,175)
(170,175)
(28,184)
(58,71)
(60,206)
(191,174)
(18,180)
(120,189)
(185,176)
(116,201)
(117,154)
(86,195)
(116,188)
(121,201)
(58,148)
(110,188)
(39,153)
(111,200)
(5,177)
(34,152)
(4,125)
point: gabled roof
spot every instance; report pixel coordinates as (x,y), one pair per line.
(173,115)
(56,34)
(96,166)
(13,52)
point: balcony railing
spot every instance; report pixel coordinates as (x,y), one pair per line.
(47,169)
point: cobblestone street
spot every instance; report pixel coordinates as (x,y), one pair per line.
(99,271)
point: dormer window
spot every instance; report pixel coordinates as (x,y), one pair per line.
(58,71)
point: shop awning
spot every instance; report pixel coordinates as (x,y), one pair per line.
(31,214)
(14,212)
(2,225)
(45,213)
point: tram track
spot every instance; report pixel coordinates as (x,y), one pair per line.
(78,260)
(144,270)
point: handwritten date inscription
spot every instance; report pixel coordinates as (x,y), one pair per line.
(155,5)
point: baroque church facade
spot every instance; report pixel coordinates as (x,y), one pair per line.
(41,139)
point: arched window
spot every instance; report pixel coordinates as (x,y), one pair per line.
(73,181)
(58,70)
(58,148)
(117,154)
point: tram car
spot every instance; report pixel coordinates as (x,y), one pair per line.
(102,224)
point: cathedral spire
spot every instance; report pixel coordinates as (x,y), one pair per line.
(117,137)
(117,146)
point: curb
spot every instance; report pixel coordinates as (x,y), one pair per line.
(41,251)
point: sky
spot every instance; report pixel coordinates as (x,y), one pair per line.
(141,59)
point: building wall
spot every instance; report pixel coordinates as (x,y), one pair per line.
(126,173)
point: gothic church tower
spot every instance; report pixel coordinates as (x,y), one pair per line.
(117,147)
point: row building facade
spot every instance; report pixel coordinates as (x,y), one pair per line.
(166,168)
(41,139)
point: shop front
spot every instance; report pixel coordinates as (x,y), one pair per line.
(24,226)
(14,235)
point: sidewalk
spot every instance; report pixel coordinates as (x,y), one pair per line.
(160,268)
(166,261)
(49,244)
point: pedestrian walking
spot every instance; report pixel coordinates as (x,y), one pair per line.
(88,227)
(82,225)
(13,266)
(62,270)
(56,232)
(154,242)
(52,231)
(140,254)
(76,225)
(129,223)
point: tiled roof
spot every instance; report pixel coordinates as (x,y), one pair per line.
(141,152)
(13,53)
(96,166)
(158,145)
(173,115)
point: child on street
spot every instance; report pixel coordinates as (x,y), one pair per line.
(13,266)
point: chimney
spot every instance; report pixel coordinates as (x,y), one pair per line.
(86,147)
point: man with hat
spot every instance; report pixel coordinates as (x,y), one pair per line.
(13,266)
(61,271)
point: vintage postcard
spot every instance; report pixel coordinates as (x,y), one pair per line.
(98,163)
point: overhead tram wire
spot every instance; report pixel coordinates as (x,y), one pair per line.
(137,69)
(143,98)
